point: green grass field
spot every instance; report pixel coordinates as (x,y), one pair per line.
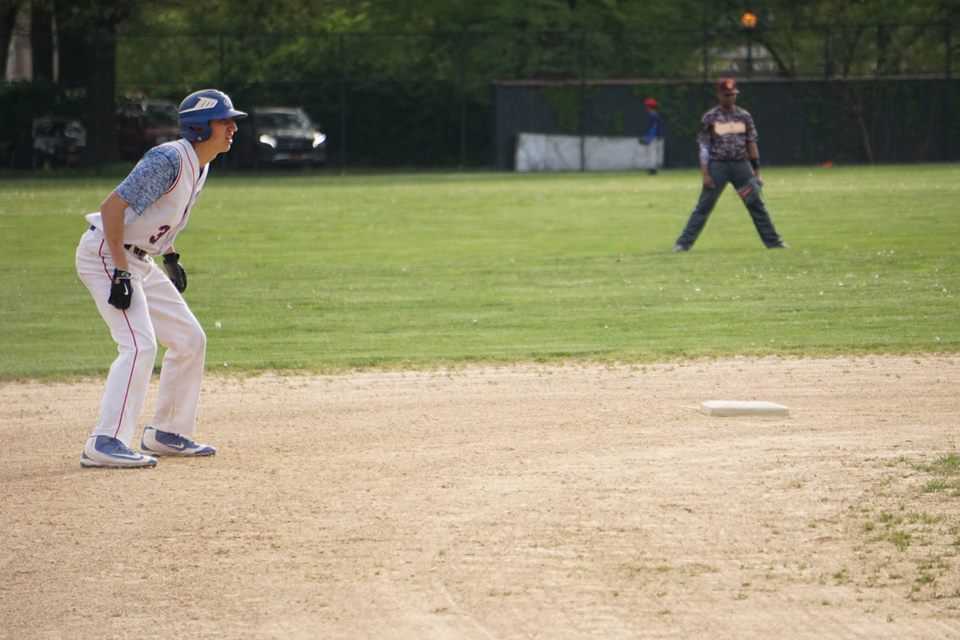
(324,272)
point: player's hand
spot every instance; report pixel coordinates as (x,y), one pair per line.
(175,271)
(708,182)
(121,289)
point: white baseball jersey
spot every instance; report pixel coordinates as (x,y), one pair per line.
(154,228)
(161,191)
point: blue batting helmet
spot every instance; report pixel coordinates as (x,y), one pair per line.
(199,108)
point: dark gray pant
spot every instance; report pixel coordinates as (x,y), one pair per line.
(738,173)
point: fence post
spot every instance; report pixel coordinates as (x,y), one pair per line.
(827,54)
(948,43)
(463,97)
(706,55)
(343,100)
(583,98)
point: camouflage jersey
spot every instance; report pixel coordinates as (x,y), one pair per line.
(726,134)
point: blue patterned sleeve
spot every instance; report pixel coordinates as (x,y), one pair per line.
(150,179)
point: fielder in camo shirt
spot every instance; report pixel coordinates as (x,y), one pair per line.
(729,153)
(725,134)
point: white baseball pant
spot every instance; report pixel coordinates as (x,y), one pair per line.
(157,312)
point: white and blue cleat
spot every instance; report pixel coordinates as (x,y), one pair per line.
(104,451)
(164,443)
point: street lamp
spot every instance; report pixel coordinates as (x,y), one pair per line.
(749,22)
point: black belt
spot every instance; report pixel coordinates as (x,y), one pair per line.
(137,251)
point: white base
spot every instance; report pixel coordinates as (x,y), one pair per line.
(743,408)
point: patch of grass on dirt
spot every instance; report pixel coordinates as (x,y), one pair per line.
(946,472)
(927,547)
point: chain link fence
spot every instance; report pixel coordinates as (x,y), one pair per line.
(429,99)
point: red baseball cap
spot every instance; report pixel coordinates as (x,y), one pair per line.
(650,102)
(727,86)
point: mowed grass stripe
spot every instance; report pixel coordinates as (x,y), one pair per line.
(324,272)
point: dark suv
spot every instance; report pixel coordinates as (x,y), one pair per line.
(286,136)
(143,124)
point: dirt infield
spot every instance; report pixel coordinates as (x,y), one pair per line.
(500,502)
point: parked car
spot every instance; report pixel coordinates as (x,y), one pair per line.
(58,141)
(143,124)
(286,136)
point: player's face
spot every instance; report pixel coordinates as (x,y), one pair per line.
(223,131)
(727,100)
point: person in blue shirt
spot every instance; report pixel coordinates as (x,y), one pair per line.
(653,127)
(653,130)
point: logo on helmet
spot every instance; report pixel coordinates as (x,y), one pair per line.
(202,104)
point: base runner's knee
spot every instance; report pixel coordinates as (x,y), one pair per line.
(193,340)
(197,340)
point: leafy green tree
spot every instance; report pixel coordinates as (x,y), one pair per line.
(856,37)
(8,19)
(88,59)
(399,63)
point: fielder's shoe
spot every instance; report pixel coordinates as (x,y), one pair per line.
(104,451)
(779,245)
(164,443)
(679,248)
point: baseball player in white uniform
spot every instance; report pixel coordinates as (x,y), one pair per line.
(141,303)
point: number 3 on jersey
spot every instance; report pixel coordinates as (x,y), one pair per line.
(160,233)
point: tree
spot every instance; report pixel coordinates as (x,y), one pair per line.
(88,47)
(856,37)
(9,9)
(41,39)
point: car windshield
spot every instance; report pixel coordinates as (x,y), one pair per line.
(285,120)
(160,115)
(47,127)
(74,130)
